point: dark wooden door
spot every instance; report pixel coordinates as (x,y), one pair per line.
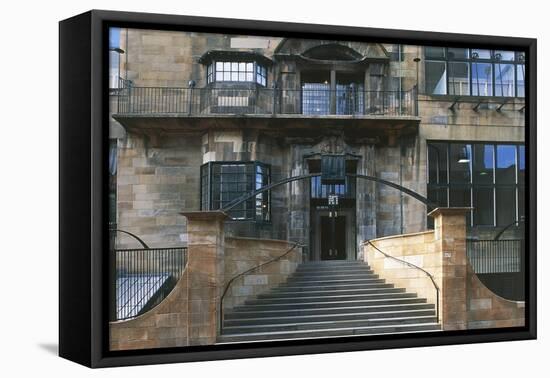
(333,238)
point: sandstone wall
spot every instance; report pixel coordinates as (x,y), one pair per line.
(464,302)
(242,254)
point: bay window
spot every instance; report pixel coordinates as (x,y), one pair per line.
(224,182)
(236,71)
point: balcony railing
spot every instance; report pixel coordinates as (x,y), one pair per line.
(495,256)
(263,101)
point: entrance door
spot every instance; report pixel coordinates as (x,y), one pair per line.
(333,238)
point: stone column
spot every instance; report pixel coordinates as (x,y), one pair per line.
(205,266)
(450,246)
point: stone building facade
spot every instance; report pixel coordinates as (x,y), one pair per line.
(201,119)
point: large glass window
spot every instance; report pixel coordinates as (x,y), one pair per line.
(236,72)
(488,177)
(482,79)
(436,77)
(504,80)
(506,164)
(225,182)
(520,84)
(459,78)
(476,72)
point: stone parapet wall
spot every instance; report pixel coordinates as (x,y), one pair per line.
(242,254)
(488,310)
(464,301)
(164,326)
(417,249)
(190,314)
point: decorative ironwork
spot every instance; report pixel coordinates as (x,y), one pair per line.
(252,99)
(430,205)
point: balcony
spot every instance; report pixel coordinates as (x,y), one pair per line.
(188,107)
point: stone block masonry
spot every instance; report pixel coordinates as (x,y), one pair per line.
(464,302)
(190,314)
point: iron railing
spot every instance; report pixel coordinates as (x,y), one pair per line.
(428,274)
(265,101)
(144,277)
(495,256)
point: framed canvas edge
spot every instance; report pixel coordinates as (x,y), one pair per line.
(99,354)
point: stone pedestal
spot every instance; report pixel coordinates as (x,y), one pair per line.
(205,274)
(450,245)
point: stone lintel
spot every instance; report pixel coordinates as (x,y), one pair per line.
(205,215)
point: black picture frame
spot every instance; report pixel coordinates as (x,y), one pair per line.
(83,151)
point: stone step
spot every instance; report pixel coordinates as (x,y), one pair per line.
(327,304)
(327,317)
(332,263)
(331,277)
(331,332)
(319,325)
(247,313)
(298,282)
(328,293)
(331,286)
(327,298)
(329,268)
(330,273)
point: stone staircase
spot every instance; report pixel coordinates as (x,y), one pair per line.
(329,299)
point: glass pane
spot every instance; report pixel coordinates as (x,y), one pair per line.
(249,67)
(456,53)
(227,76)
(520,74)
(460,163)
(482,79)
(504,55)
(481,54)
(521,167)
(506,164)
(504,80)
(234,66)
(521,202)
(242,66)
(459,78)
(438,195)
(227,66)
(219,76)
(234,76)
(219,66)
(315,98)
(242,76)
(506,206)
(434,52)
(483,207)
(437,163)
(483,163)
(249,76)
(436,78)
(459,196)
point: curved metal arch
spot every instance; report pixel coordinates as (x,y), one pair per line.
(132,235)
(253,194)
